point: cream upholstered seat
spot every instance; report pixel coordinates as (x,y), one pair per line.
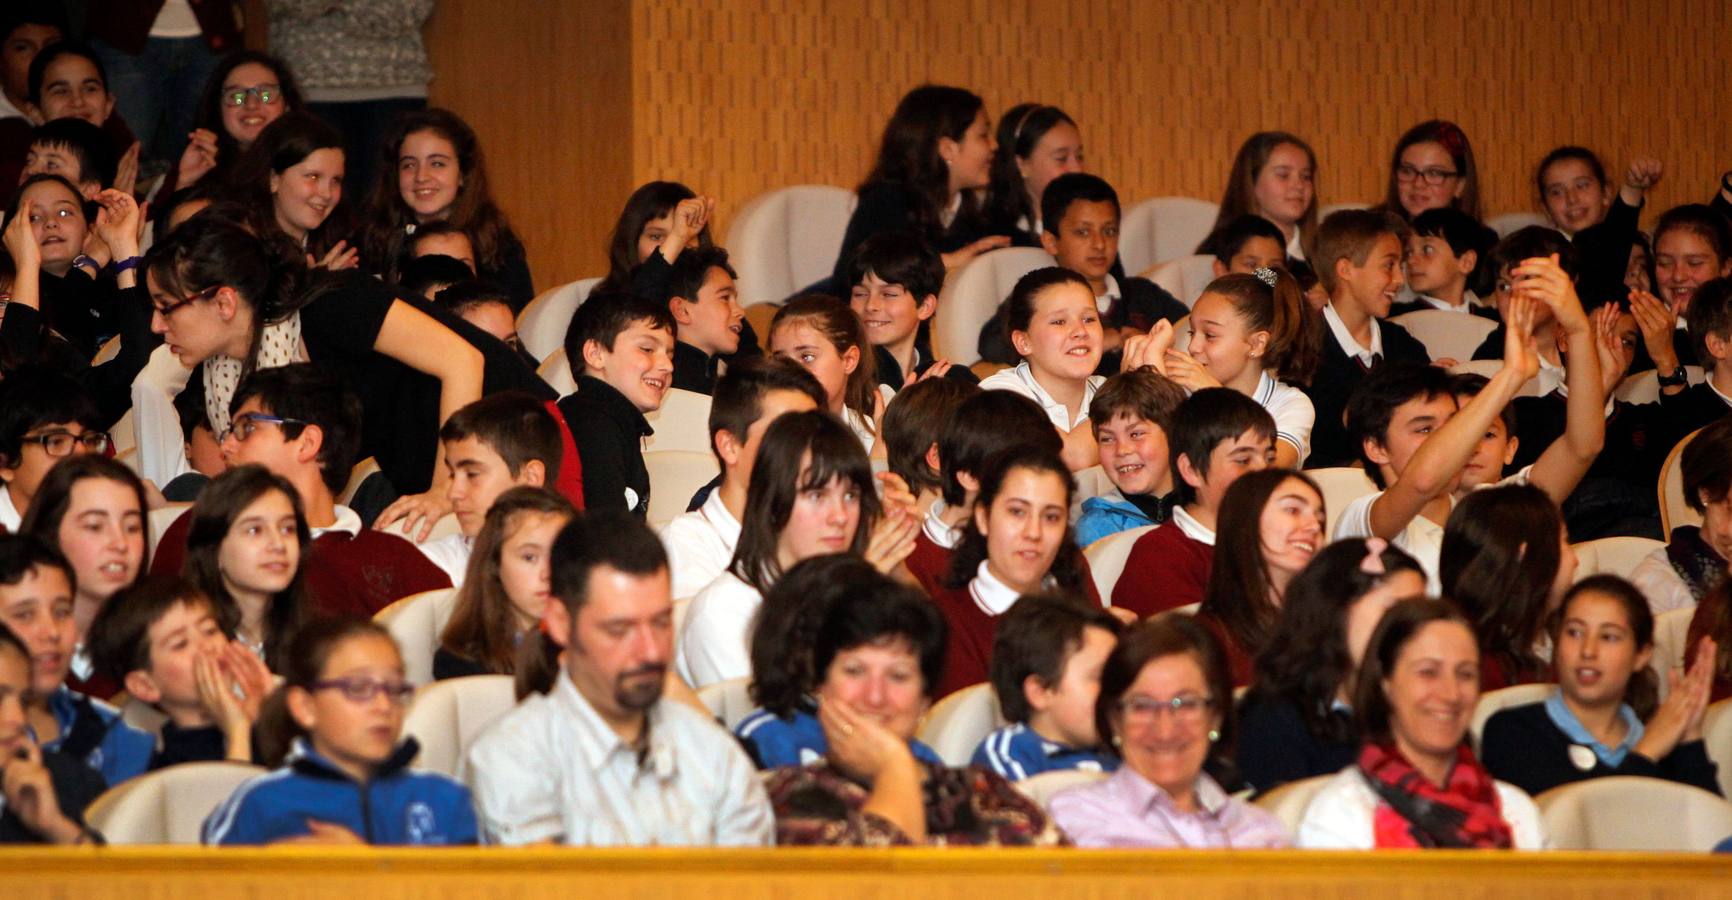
(1625,812)
(729,700)
(1043,787)
(1508,223)
(416,622)
(1445,334)
(957,725)
(556,371)
(971,296)
(1341,485)
(542,324)
(158,521)
(1491,702)
(787,239)
(675,475)
(1673,510)
(447,716)
(1612,556)
(1161,228)
(1184,277)
(1107,558)
(1288,802)
(167,806)
(682,423)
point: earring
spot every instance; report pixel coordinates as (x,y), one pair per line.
(1214,735)
(1118,741)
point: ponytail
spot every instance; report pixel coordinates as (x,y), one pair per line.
(1272,301)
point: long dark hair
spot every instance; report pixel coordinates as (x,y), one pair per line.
(1453,140)
(1241,193)
(1500,556)
(1399,625)
(1068,568)
(788,622)
(1306,661)
(1238,595)
(210,103)
(827,450)
(483,626)
(1642,691)
(1019,132)
(287,142)
(391,221)
(649,202)
(908,152)
(219,505)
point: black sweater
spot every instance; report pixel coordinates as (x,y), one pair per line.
(1275,746)
(1337,375)
(1523,746)
(609,433)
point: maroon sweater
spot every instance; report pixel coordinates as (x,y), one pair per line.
(345,575)
(927,563)
(1167,569)
(972,630)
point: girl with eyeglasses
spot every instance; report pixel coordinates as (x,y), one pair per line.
(1432,167)
(247,91)
(346,779)
(1166,709)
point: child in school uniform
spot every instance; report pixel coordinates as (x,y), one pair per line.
(893,283)
(1132,415)
(621,350)
(1444,252)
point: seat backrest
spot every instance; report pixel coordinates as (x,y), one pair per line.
(158,521)
(729,700)
(1717,737)
(1184,277)
(1341,485)
(1508,223)
(1673,510)
(542,324)
(957,725)
(1624,812)
(787,239)
(1107,557)
(124,435)
(1491,702)
(167,806)
(1043,787)
(556,371)
(971,297)
(447,716)
(358,473)
(416,622)
(142,716)
(1288,801)
(1445,334)
(675,475)
(1613,556)
(1488,368)
(682,422)
(1162,228)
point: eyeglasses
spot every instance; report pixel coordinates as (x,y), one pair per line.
(1187,709)
(1433,177)
(60,442)
(247,423)
(170,309)
(361,690)
(267,94)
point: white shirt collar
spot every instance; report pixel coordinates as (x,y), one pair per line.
(1723,398)
(598,742)
(8,111)
(9,515)
(348,522)
(991,595)
(1552,378)
(715,512)
(950,210)
(1295,248)
(1468,302)
(946,536)
(1192,528)
(1055,410)
(1345,337)
(1105,301)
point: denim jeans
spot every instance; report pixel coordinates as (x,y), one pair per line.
(157,91)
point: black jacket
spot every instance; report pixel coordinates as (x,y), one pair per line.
(1337,376)
(609,433)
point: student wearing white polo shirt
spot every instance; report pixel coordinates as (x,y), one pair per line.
(1055,327)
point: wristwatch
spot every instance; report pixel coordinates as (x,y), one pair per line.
(1678,378)
(81,261)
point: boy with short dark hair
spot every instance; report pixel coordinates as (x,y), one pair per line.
(1246,244)
(912,424)
(76,151)
(487,307)
(1046,672)
(1218,434)
(60,787)
(499,442)
(620,347)
(707,315)
(168,645)
(753,393)
(894,279)
(1444,252)
(44,417)
(1358,259)
(1131,414)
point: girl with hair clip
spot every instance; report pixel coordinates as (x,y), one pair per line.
(1416,783)
(1274,176)
(1605,717)
(811,494)
(1036,143)
(248,90)
(1506,562)
(826,338)
(1017,541)
(1576,195)
(1055,326)
(431,170)
(244,551)
(1432,167)
(1296,721)
(934,161)
(1270,526)
(1692,246)
(224,302)
(507,586)
(336,730)
(92,509)
(291,183)
(1256,335)
(784,730)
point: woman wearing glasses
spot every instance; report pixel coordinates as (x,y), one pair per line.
(1432,168)
(1166,708)
(225,301)
(248,91)
(348,780)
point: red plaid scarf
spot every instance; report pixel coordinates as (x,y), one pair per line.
(1414,813)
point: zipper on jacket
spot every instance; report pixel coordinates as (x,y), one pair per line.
(366,812)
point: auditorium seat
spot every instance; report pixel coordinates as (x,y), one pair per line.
(675,475)
(416,622)
(1717,736)
(159,519)
(1446,335)
(124,435)
(682,423)
(542,324)
(1043,787)
(1184,277)
(1673,510)
(759,316)
(1612,556)
(109,350)
(447,716)
(1107,557)
(730,701)
(1161,228)
(142,716)
(1341,485)
(1644,387)
(1488,368)
(1624,812)
(1491,702)
(557,373)
(1506,224)
(357,474)
(958,723)
(786,240)
(1288,802)
(1090,482)
(167,806)
(971,296)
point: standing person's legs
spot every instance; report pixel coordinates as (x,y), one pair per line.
(364,125)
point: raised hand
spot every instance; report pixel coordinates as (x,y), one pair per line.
(1609,346)
(1187,373)
(1148,350)
(956,259)
(29,793)
(1644,173)
(126,173)
(21,243)
(118,222)
(1679,718)
(198,159)
(1542,279)
(340,257)
(1656,321)
(1520,349)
